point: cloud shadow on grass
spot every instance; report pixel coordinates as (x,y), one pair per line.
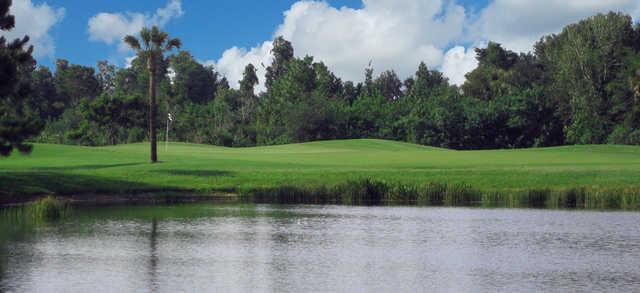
(85,167)
(15,185)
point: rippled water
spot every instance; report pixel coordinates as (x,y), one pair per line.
(205,247)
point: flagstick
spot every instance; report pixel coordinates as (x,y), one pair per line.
(166,141)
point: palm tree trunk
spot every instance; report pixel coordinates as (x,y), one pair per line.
(153,109)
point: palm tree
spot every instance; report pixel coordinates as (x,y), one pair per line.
(152,46)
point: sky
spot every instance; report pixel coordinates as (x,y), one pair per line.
(344,34)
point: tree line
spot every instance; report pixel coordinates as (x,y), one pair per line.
(580,86)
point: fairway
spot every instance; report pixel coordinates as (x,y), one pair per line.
(60,169)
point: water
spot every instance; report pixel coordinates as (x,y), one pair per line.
(204,247)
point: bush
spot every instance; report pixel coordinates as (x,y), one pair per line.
(624,135)
(634,138)
(136,134)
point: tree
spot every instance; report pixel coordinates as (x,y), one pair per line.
(151,46)
(192,81)
(496,56)
(350,92)
(368,86)
(44,98)
(116,112)
(389,85)
(635,83)
(106,77)
(426,82)
(16,65)
(276,118)
(327,84)
(75,82)
(282,52)
(368,115)
(586,61)
(249,80)
(488,80)
(247,95)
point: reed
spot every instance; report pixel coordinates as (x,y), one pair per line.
(367,191)
(47,208)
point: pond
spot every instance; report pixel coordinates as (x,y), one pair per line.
(214,247)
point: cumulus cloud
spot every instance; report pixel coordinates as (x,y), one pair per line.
(394,34)
(110,28)
(458,61)
(35,20)
(518,24)
(398,34)
(234,60)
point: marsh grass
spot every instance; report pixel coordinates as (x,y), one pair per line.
(369,191)
(47,208)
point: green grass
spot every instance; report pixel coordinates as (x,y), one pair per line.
(58,169)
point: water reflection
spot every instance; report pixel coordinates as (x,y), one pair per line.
(153,256)
(315,248)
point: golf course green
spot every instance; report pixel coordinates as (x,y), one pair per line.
(63,170)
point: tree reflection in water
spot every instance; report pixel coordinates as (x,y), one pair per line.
(153,256)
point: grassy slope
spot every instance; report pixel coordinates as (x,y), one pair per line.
(68,169)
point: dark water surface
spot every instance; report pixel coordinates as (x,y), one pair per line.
(204,247)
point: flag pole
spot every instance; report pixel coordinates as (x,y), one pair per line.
(166,140)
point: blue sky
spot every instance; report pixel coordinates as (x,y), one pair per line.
(207,28)
(229,34)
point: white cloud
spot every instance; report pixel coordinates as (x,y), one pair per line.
(171,74)
(167,13)
(518,24)
(394,34)
(234,60)
(128,61)
(457,63)
(110,28)
(35,21)
(398,34)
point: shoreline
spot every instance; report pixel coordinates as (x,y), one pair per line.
(107,199)
(358,172)
(366,192)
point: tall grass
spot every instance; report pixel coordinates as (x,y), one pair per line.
(369,191)
(47,208)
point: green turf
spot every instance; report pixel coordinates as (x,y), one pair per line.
(125,168)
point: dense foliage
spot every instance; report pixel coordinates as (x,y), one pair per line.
(580,86)
(17,120)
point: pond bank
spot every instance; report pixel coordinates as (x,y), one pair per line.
(105,199)
(379,193)
(371,192)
